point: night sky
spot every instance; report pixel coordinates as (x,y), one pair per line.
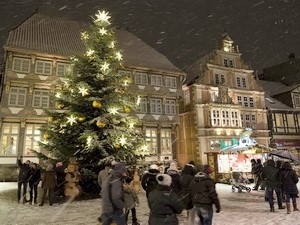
(266,31)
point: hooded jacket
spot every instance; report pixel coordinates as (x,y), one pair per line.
(203,191)
(270,174)
(149,181)
(112,191)
(186,177)
(288,179)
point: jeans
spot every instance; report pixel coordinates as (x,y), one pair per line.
(278,192)
(20,183)
(205,214)
(116,216)
(33,192)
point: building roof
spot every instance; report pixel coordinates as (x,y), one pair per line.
(272,88)
(59,36)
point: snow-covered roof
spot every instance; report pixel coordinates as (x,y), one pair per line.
(59,36)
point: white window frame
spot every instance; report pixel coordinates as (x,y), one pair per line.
(9,139)
(225,118)
(187,96)
(67,69)
(32,137)
(41,98)
(166,141)
(171,82)
(249,120)
(296,100)
(143,105)
(151,138)
(17,96)
(141,78)
(22,62)
(170,106)
(46,67)
(156,80)
(155,106)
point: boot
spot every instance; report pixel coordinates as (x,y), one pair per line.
(288,208)
(295,206)
(272,209)
(281,207)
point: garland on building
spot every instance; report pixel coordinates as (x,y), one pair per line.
(92,123)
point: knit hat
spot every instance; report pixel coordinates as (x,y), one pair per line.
(164,179)
(154,167)
(120,167)
(207,169)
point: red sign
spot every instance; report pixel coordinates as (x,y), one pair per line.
(287,143)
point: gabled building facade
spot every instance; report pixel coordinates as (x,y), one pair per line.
(36,61)
(221,99)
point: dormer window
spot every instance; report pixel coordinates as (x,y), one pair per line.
(296,98)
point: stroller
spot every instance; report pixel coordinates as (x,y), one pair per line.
(239,182)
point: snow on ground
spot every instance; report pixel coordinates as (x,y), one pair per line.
(237,208)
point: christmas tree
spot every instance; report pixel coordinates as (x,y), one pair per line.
(92,123)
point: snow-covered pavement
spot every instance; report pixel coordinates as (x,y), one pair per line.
(237,208)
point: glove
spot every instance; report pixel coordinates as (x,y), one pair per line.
(218,210)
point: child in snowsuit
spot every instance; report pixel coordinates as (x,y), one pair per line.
(131,200)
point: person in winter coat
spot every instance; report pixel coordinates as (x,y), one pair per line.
(34,179)
(270,176)
(204,195)
(113,196)
(279,164)
(174,173)
(131,200)
(49,183)
(186,177)
(24,174)
(257,172)
(149,181)
(289,180)
(164,203)
(103,174)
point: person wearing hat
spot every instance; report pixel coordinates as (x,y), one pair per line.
(49,182)
(204,195)
(149,181)
(164,203)
(174,173)
(112,193)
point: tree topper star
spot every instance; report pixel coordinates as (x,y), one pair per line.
(102,17)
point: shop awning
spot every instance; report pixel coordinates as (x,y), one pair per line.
(255,149)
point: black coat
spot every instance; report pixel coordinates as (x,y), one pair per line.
(270,175)
(186,177)
(24,172)
(203,191)
(149,181)
(35,176)
(164,205)
(175,181)
(288,179)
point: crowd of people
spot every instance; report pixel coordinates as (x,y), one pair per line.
(276,178)
(168,194)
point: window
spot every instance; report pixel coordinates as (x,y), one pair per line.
(296,100)
(63,69)
(249,120)
(155,106)
(156,80)
(32,137)
(228,117)
(228,63)
(151,138)
(40,98)
(21,65)
(171,82)
(17,96)
(9,139)
(141,78)
(246,101)
(143,105)
(43,67)
(241,82)
(166,141)
(219,79)
(170,107)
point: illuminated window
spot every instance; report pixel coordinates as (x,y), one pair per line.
(32,137)
(151,138)
(9,139)
(166,141)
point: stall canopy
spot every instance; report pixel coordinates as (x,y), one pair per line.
(284,154)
